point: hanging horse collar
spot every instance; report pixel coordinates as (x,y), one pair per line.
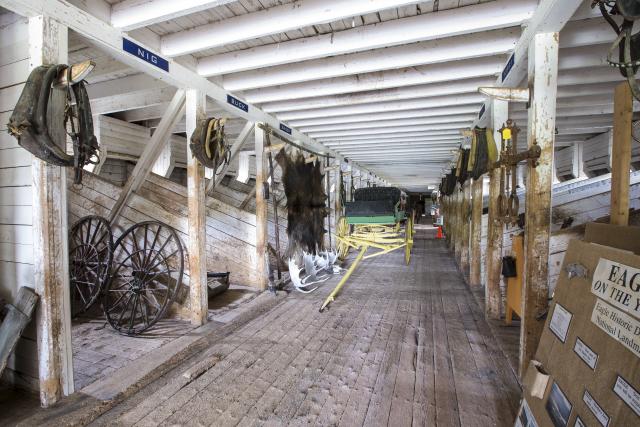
(208,143)
(627,44)
(28,122)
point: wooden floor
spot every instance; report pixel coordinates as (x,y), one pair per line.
(400,346)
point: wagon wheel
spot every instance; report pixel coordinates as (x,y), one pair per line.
(90,256)
(342,231)
(408,239)
(147,275)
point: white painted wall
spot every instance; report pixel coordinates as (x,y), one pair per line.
(16,236)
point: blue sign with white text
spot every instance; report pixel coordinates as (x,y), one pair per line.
(507,68)
(285,129)
(145,55)
(237,103)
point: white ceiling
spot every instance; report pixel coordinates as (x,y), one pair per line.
(387,83)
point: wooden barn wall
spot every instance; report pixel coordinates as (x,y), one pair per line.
(16,235)
(230,231)
(582,200)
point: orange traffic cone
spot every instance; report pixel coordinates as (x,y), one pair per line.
(439,235)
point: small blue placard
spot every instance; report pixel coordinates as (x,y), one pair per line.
(481,113)
(507,68)
(285,129)
(144,54)
(237,103)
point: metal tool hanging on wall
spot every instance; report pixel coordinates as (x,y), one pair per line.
(56,92)
(208,143)
(508,201)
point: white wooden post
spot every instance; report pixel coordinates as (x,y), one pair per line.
(198,292)
(261,211)
(543,78)
(493,298)
(48,45)
(164,164)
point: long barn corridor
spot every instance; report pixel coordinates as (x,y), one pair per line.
(400,346)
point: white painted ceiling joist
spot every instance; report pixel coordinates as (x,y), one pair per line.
(467,118)
(431,26)
(571,58)
(449,71)
(397,135)
(498,42)
(385,131)
(132,14)
(382,107)
(449,88)
(372,117)
(271,21)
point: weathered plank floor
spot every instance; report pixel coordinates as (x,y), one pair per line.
(400,346)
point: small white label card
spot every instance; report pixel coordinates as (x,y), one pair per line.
(618,284)
(597,411)
(585,353)
(579,423)
(560,321)
(618,325)
(628,394)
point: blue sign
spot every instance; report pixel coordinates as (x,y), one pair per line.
(237,103)
(145,55)
(481,113)
(285,129)
(507,68)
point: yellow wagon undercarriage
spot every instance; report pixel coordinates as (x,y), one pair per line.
(384,237)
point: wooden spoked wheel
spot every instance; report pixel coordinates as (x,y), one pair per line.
(342,230)
(408,238)
(90,255)
(146,278)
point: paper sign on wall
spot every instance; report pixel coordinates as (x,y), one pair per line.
(628,394)
(618,284)
(618,325)
(560,321)
(585,353)
(596,409)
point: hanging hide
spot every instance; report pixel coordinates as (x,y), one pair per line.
(306,203)
(461,168)
(208,144)
(483,152)
(28,122)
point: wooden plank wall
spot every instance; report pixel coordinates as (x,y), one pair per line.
(584,201)
(16,236)
(230,231)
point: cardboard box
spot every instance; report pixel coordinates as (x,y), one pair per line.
(590,347)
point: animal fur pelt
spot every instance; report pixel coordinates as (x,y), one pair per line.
(306,203)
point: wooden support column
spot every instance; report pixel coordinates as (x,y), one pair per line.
(543,79)
(457,249)
(233,152)
(621,154)
(476,233)
(261,211)
(151,152)
(466,228)
(196,103)
(48,45)
(338,192)
(493,297)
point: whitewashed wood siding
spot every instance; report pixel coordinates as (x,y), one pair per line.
(16,236)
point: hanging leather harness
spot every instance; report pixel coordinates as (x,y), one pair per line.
(627,44)
(208,143)
(28,122)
